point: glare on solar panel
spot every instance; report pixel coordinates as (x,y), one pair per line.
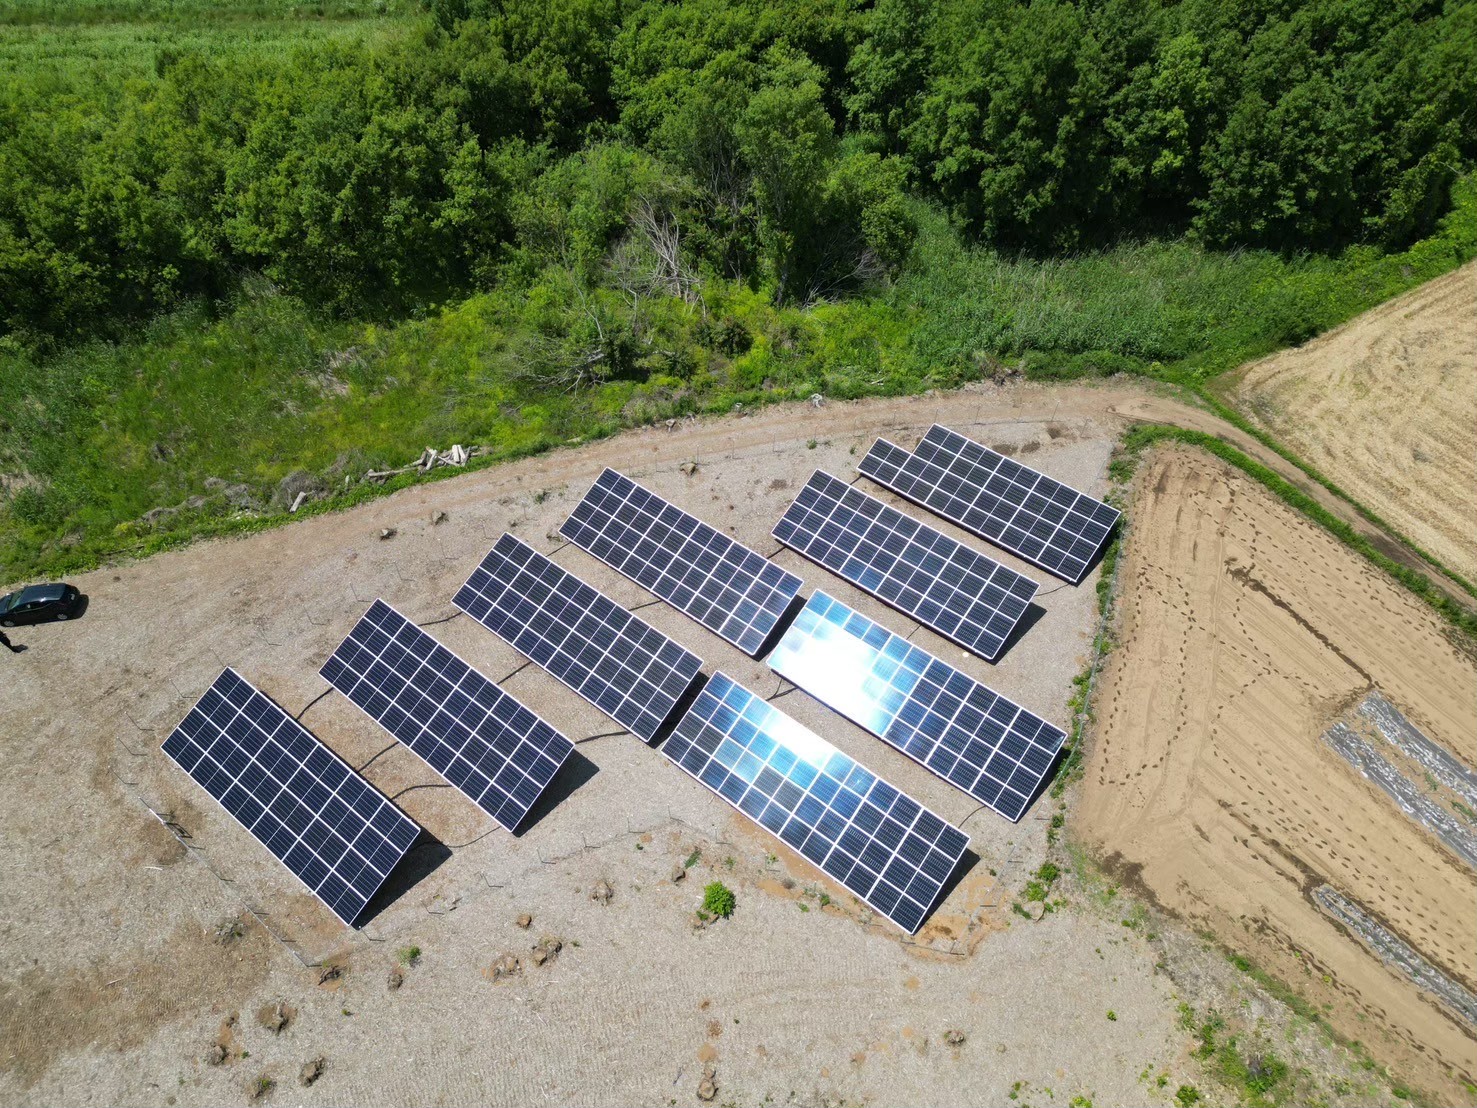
(959,592)
(879,843)
(323,821)
(619,663)
(458,722)
(976,739)
(731,590)
(999,499)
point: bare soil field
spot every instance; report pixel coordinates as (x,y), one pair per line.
(1244,630)
(121,985)
(1386,407)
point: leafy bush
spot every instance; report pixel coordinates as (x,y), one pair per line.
(718,900)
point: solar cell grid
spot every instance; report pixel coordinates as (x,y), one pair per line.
(879,843)
(959,592)
(1001,500)
(733,591)
(618,662)
(476,736)
(969,735)
(329,826)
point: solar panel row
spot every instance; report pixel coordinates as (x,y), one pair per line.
(1009,504)
(473,734)
(959,592)
(879,843)
(969,735)
(322,820)
(618,662)
(733,591)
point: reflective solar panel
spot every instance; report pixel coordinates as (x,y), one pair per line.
(959,592)
(972,737)
(731,590)
(324,822)
(879,843)
(1009,504)
(455,720)
(619,663)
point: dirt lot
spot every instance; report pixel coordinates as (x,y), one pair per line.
(119,989)
(1386,406)
(1244,631)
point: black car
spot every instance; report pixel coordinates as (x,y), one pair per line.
(39,604)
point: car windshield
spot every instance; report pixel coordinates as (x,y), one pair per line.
(8,601)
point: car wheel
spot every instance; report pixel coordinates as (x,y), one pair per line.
(61,616)
(8,623)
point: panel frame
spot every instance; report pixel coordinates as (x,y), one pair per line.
(963,698)
(403,821)
(860,822)
(682,665)
(935,549)
(885,456)
(500,699)
(688,531)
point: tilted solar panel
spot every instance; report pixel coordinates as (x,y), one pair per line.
(323,821)
(731,590)
(1011,505)
(879,843)
(972,737)
(959,592)
(455,720)
(619,663)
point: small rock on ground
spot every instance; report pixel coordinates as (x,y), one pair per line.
(601,892)
(215,1054)
(706,1089)
(311,1071)
(954,1038)
(679,873)
(275,1017)
(547,950)
(524,921)
(395,979)
(506,966)
(387,533)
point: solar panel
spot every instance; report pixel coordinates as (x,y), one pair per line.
(731,590)
(1011,505)
(455,720)
(878,842)
(619,663)
(324,822)
(972,737)
(959,592)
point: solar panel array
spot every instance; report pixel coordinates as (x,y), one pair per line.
(621,664)
(879,843)
(959,592)
(731,590)
(993,749)
(1009,504)
(458,722)
(323,821)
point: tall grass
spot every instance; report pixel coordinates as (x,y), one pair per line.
(252,390)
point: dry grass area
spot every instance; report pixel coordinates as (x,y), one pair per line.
(1386,407)
(1243,631)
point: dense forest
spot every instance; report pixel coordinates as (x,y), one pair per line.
(244,238)
(768,142)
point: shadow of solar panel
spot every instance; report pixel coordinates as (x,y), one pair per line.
(972,737)
(960,593)
(329,826)
(1011,505)
(731,590)
(458,722)
(879,843)
(619,663)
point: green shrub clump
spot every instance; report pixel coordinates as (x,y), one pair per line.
(718,900)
